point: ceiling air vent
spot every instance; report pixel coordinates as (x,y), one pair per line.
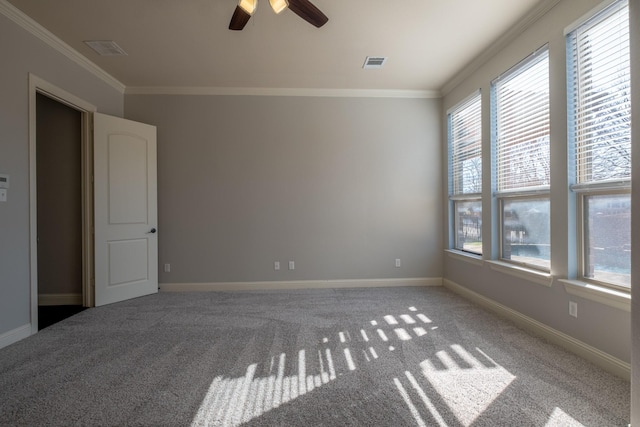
(105,47)
(374,62)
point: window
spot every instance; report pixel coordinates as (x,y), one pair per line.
(520,101)
(600,140)
(465,174)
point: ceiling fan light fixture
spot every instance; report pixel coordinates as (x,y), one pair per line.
(303,8)
(248,6)
(278,5)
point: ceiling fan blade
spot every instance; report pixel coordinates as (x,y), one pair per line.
(307,11)
(239,19)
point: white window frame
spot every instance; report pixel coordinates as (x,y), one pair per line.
(582,223)
(518,194)
(610,187)
(533,195)
(455,221)
(460,197)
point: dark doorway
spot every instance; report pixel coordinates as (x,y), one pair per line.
(59,209)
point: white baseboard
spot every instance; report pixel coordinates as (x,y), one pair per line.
(604,360)
(300,284)
(15,335)
(60,299)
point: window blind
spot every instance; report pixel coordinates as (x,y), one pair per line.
(521,124)
(465,133)
(600,99)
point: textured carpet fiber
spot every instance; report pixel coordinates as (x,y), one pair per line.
(374,357)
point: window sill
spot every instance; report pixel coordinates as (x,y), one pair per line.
(617,299)
(465,256)
(538,277)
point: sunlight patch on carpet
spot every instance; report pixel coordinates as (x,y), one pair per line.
(560,418)
(233,401)
(468,383)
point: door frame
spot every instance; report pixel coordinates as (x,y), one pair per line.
(38,85)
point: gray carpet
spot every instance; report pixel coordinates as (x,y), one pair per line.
(366,357)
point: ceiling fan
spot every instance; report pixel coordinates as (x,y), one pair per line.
(303,8)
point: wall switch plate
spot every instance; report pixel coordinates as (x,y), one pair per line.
(167,268)
(573,309)
(4,180)
(276,265)
(3,194)
(398,263)
(292,265)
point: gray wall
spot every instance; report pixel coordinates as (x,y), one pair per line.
(342,186)
(635,223)
(21,54)
(601,326)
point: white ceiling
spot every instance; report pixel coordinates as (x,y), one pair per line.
(186,43)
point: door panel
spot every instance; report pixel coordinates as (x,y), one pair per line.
(128,186)
(126,244)
(128,262)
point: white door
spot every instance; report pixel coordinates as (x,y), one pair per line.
(125,202)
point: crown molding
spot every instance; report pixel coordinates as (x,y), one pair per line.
(254,91)
(27,23)
(520,27)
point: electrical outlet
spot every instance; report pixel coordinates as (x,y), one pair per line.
(398,263)
(292,265)
(276,265)
(573,309)
(167,268)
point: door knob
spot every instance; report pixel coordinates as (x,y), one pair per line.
(152,231)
